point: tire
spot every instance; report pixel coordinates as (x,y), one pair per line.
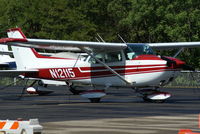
(95,100)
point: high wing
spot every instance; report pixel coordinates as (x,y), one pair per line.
(57,44)
(62,44)
(174,45)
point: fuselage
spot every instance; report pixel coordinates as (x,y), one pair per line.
(137,64)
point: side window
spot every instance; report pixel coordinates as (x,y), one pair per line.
(113,57)
(99,56)
(107,57)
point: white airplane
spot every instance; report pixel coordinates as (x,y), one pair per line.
(5,59)
(107,65)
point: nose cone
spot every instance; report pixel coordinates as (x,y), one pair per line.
(175,63)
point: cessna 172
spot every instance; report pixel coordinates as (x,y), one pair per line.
(107,65)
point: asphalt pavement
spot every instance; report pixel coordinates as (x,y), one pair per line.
(120,112)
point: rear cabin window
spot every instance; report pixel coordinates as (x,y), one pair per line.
(107,57)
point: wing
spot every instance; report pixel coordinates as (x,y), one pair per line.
(16,37)
(174,45)
(63,44)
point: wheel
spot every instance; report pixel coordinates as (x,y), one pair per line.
(146,99)
(159,101)
(40,83)
(153,101)
(94,100)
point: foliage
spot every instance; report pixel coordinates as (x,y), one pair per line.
(135,20)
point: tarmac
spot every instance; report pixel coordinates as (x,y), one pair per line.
(120,112)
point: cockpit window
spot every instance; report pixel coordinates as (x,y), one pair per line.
(134,50)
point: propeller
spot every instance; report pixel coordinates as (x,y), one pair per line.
(171,61)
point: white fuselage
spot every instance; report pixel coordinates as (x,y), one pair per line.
(141,71)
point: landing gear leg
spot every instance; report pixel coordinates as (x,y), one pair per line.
(40,89)
(73,89)
(40,83)
(24,88)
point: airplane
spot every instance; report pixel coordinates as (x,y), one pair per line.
(132,65)
(5,60)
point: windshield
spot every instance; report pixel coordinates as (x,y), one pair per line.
(134,50)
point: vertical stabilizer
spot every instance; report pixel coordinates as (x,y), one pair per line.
(16,33)
(24,56)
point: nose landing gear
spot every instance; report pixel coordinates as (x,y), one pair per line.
(93,95)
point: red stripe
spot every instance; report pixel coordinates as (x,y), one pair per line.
(44,73)
(147,57)
(5,40)
(118,67)
(88,77)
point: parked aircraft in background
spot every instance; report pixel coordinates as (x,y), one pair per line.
(107,65)
(5,60)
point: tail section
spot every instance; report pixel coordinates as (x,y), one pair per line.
(28,58)
(16,33)
(25,58)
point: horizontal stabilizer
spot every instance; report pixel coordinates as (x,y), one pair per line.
(15,73)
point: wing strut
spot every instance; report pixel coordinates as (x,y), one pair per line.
(177,53)
(106,66)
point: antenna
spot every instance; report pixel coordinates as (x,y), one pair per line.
(97,39)
(100,37)
(121,38)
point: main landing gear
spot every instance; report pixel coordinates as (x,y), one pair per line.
(153,95)
(41,89)
(92,94)
(74,90)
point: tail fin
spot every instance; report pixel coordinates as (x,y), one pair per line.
(16,33)
(25,59)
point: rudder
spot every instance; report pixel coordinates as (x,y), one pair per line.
(24,56)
